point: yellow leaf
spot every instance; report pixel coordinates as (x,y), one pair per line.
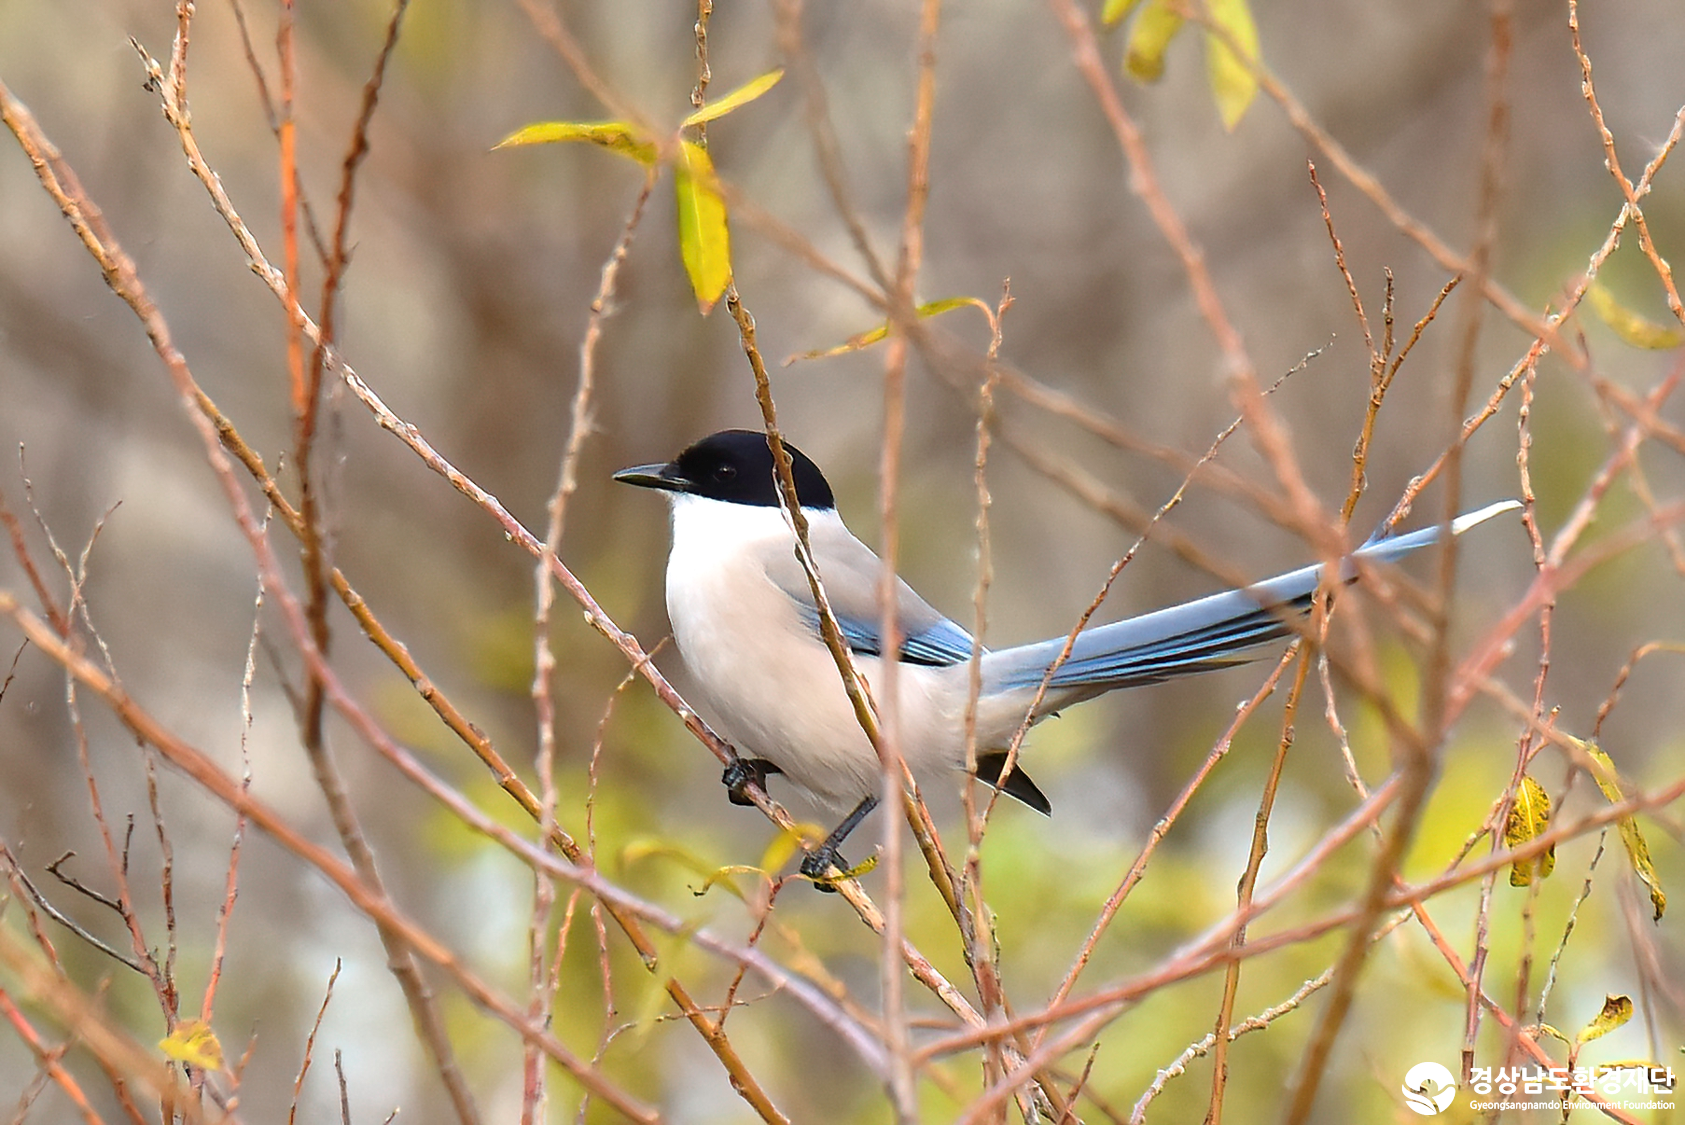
(1529,816)
(1233,83)
(1149,36)
(723,875)
(854,872)
(650,1003)
(1628,325)
(743,95)
(704,241)
(1606,776)
(881,332)
(853,344)
(642,849)
(1637,851)
(786,844)
(1616,1011)
(616,136)
(193,1043)
(646,848)
(1115,10)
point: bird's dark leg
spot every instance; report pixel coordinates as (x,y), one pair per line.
(742,773)
(824,857)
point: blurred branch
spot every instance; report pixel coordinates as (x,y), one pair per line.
(1612,162)
(1264,427)
(370,901)
(47,1060)
(1416,757)
(310,1042)
(580,428)
(1013,1043)
(23,883)
(93,1032)
(120,274)
(903,296)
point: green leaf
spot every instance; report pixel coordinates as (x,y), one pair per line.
(1637,851)
(1529,816)
(741,96)
(1115,10)
(1149,37)
(1616,1011)
(704,241)
(1233,83)
(1636,330)
(874,335)
(616,136)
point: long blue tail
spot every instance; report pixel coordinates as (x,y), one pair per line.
(1197,636)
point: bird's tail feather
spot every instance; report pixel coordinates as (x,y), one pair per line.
(1197,636)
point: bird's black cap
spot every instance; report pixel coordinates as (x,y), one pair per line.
(734,466)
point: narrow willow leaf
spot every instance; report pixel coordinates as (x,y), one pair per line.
(1529,816)
(1149,37)
(1607,777)
(1115,10)
(704,241)
(645,848)
(1637,851)
(724,877)
(741,96)
(671,950)
(1628,325)
(642,848)
(1616,1011)
(786,844)
(864,867)
(1233,83)
(874,335)
(194,1043)
(616,136)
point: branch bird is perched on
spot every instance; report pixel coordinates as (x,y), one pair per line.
(745,622)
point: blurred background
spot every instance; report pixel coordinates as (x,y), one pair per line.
(468,293)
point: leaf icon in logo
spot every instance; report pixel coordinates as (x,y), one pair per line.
(1429,1088)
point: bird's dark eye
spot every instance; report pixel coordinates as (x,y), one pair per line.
(725,473)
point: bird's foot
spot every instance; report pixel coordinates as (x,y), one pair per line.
(818,863)
(745,772)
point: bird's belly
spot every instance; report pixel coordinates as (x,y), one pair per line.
(776,693)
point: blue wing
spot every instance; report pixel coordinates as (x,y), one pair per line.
(938,644)
(851,573)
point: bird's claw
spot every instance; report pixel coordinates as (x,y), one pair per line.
(819,861)
(744,772)
(817,866)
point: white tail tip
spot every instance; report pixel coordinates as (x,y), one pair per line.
(1463,523)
